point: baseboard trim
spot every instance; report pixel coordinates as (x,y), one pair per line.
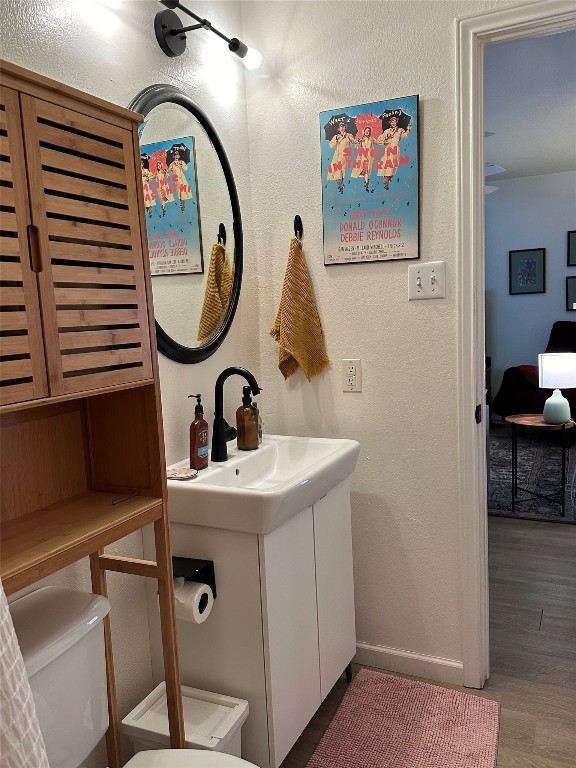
(410,663)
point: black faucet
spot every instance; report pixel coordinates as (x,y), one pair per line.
(219,449)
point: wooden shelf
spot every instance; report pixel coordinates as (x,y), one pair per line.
(42,401)
(49,539)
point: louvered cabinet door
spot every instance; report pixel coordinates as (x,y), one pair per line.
(92,282)
(22,366)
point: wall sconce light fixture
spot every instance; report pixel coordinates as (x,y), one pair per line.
(171,35)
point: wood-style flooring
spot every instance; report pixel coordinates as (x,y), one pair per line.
(532,648)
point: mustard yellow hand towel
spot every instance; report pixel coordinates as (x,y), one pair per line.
(297,329)
(217,294)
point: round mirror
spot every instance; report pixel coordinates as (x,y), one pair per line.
(193,224)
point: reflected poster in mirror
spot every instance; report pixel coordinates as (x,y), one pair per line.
(170,185)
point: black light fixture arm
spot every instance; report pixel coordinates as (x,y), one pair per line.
(171,35)
(202,23)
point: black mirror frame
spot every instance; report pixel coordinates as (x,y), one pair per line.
(144,103)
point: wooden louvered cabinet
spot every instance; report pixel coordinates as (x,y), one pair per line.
(22,365)
(81,443)
(71,248)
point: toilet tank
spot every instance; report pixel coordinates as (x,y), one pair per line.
(61,636)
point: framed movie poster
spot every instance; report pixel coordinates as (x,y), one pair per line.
(370,189)
(527,271)
(172,207)
(572,248)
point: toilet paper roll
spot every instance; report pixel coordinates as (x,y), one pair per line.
(193,601)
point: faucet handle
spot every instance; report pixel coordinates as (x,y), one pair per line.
(229,432)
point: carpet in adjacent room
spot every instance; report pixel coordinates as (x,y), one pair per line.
(539,469)
(391,722)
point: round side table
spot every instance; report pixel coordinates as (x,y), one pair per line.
(536,421)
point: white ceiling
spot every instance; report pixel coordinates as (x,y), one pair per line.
(530,106)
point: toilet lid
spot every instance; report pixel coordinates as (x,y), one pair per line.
(186,758)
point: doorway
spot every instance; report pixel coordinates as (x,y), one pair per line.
(529,205)
(473,35)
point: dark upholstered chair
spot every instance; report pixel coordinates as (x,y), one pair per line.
(519,391)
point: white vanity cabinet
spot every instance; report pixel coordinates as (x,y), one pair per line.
(334,585)
(290,631)
(282,628)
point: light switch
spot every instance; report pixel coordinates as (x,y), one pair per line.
(427,280)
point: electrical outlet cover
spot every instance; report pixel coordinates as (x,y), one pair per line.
(352,375)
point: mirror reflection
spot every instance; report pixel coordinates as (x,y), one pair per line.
(187,201)
(193,221)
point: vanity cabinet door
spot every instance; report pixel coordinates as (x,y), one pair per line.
(334,584)
(290,631)
(22,366)
(84,206)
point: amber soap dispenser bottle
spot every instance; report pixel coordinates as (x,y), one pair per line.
(247,423)
(198,437)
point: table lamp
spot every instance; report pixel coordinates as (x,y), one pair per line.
(556,370)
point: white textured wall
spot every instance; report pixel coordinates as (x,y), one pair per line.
(318,56)
(530,212)
(112,53)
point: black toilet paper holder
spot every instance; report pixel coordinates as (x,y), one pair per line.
(193,569)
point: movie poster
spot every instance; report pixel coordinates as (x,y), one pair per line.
(370,181)
(172,208)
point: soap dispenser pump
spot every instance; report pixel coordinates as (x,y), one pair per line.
(198,437)
(247,423)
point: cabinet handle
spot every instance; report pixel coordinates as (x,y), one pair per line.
(34,248)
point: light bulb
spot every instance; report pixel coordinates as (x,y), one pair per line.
(253,59)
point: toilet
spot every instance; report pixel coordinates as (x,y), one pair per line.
(61,637)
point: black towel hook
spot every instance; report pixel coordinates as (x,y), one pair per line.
(222,234)
(298,228)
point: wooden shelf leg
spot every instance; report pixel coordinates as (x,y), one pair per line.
(99,587)
(168,628)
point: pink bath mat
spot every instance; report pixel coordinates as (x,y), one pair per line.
(390,722)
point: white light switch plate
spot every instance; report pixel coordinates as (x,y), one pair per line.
(427,280)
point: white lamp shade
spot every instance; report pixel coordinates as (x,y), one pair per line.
(557,370)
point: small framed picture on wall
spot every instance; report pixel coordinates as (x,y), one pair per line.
(527,271)
(571,294)
(572,248)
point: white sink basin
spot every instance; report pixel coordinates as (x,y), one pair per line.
(256,491)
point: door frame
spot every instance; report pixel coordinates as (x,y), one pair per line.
(473,34)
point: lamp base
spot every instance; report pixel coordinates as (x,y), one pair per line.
(556,409)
